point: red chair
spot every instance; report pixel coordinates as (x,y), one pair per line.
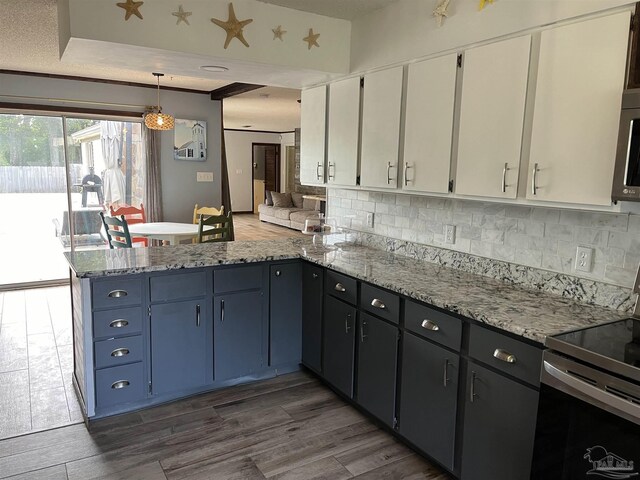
(132,215)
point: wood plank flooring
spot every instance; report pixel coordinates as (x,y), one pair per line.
(247,226)
(287,428)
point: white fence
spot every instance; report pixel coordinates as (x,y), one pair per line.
(33,179)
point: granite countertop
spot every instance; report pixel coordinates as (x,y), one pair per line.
(530,313)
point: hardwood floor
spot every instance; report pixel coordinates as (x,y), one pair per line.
(290,427)
(247,226)
(36,361)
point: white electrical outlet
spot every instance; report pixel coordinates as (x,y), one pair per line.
(204,177)
(584,259)
(450,234)
(370,220)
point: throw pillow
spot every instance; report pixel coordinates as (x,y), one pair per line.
(309,204)
(268,199)
(281,200)
(297,200)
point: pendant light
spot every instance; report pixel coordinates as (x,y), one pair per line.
(155,119)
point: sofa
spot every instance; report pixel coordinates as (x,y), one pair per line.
(287,209)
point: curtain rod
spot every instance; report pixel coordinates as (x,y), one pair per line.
(80,102)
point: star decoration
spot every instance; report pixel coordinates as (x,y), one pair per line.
(132,8)
(233,27)
(182,15)
(483,3)
(441,11)
(311,39)
(278,32)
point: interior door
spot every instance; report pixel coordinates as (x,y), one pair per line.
(266,171)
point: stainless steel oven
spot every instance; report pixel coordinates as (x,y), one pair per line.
(626,176)
(588,422)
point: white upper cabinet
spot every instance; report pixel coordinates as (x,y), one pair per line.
(494,91)
(344,132)
(312,135)
(431,90)
(381,128)
(580,80)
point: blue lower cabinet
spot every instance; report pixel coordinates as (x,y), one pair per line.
(338,335)
(117,386)
(118,351)
(285,314)
(179,341)
(238,333)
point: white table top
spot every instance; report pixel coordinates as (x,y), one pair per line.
(163,228)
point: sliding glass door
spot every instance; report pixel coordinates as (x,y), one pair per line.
(52,191)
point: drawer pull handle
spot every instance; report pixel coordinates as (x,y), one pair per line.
(117,293)
(346,323)
(504,356)
(118,323)
(362,334)
(120,384)
(314,275)
(445,378)
(120,352)
(429,325)
(278,273)
(339,287)
(378,304)
(472,390)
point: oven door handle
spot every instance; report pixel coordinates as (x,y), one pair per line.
(591,394)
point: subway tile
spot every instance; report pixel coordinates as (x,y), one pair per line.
(385,220)
(418,225)
(345,203)
(615,256)
(427,214)
(364,196)
(620,276)
(444,216)
(381,207)
(517,211)
(462,218)
(573,217)
(409,235)
(546,215)
(631,260)
(551,261)
(434,227)
(481,248)
(634,223)
(461,245)
(495,222)
(389,198)
(503,252)
(424,237)
(531,258)
(559,232)
(437,203)
(494,209)
(467,231)
(375,196)
(611,221)
(620,240)
(403,200)
(592,236)
(531,227)
(351,194)
(492,236)
(402,222)
(418,202)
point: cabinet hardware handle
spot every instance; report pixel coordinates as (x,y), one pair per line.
(197,315)
(339,288)
(314,275)
(221,311)
(278,273)
(504,177)
(473,394)
(389,166)
(534,186)
(378,304)
(362,335)
(117,293)
(332,165)
(445,378)
(120,352)
(406,168)
(120,384)
(429,325)
(318,174)
(346,323)
(120,323)
(504,356)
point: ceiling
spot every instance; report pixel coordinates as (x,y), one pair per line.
(29,39)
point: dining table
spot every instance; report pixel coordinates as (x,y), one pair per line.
(170,233)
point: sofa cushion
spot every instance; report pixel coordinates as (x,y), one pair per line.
(266,209)
(309,204)
(282,200)
(283,213)
(297,200)
(302,215)
(267,197)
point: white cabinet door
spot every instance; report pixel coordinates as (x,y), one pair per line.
(344,131)
(577,110)
(431,90)
(381,128)
(494,90)
(313,122)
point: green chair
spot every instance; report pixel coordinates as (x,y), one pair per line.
(220,228)
(117,231)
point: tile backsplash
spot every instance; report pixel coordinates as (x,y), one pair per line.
(538,237)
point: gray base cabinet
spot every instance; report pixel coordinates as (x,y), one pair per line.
(339,334)
(499,427)
(377,357)
(429,397)
(285,323)
(312,292)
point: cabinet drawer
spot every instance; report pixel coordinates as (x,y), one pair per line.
(118,351)
(118,292)
(117,322)
(237,279)
(432,324)
(341,286)
(166,288)
(119,385)
(380,302)
(518,359)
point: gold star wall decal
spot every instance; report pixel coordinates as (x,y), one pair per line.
(312,39)
(483,3)
(278,32)
(132,8)
(441,11)
(233,27)
(182,15)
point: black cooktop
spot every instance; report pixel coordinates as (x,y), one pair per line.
(612,346)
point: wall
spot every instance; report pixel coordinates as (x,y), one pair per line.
(544,238)
(180,191)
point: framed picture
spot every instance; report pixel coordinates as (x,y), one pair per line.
(190,140)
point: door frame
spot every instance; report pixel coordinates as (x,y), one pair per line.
(278,166)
